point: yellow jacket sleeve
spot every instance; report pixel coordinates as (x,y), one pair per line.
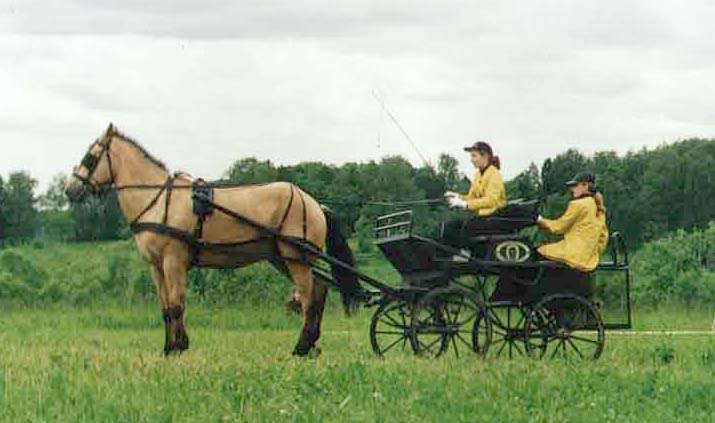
(492,194)
(603,239)
(563,223)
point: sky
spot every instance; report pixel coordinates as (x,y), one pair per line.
(202,84)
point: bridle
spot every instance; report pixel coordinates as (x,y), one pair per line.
(91,162)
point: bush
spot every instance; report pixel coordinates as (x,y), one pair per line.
(679,267)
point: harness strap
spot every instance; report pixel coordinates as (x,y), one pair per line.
(169,190)
(152,203)
(288,207)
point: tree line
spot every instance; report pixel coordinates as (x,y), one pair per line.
(649,192)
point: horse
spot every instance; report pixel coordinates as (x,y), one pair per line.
(172,236)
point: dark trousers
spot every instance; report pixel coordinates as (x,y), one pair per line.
(459,232)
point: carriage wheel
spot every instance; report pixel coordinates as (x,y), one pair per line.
(508,323)
(565,326)
(390,328)
(444,319)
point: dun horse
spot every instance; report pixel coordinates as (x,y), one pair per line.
(174,230)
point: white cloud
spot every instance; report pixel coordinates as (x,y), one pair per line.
(201,86)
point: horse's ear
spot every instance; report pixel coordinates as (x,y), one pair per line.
(111,129)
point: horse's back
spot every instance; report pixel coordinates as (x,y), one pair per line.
(279,205)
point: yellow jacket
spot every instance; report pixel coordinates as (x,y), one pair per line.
(487,194)
(585,235)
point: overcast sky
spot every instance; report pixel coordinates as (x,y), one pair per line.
(202,83)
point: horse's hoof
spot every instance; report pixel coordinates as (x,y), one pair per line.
(315,352)
(301,352)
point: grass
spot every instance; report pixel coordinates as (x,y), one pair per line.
(102,362)
(65,364)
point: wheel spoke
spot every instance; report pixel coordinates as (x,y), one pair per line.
(575,347)
(464,341)
(579,338)
(389,347)
(555,351)
(502,347)
(392,321)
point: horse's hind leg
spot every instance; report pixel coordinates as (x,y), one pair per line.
(312,294)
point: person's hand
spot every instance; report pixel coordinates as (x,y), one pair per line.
(450,194)
(539,219)
(457,203)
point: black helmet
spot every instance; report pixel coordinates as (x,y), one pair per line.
(580,177)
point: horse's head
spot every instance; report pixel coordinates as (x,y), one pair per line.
(95,172)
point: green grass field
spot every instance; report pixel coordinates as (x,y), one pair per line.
(97,364)
(90,350)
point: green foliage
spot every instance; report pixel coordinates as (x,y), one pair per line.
(98,218)
(526,185)
(18,209)
(252,171)
(679,267)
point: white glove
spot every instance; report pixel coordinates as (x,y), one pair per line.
(457,203)
(450,194)
(539,219)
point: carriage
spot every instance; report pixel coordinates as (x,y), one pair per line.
(500,300)
(449,301)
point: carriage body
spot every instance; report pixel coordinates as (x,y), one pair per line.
(549,309)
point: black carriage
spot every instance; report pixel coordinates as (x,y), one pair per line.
(499,299)
(451,301)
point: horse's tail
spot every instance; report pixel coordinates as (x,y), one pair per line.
(338,248)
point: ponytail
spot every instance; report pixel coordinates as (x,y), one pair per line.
(486,149)
(600,206)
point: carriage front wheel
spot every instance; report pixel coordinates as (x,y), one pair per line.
(565,326)
(390,328)
(444,319)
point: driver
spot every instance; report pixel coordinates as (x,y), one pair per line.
(485,198)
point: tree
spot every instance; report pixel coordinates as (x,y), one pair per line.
(98,218)
(448,171)
(20,215)
(3,211)
(560,169)
(54,198)
(526,185)
(252,171)
(57,222)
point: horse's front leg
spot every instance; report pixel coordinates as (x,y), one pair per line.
(175,268)
(157,275)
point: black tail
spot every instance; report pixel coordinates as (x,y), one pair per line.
(339,249)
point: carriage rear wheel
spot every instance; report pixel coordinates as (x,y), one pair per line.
(565,326)
(444,319)
(508,324)
(390,328)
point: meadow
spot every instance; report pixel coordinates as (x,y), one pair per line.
(100,360)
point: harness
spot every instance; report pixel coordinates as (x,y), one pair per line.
(202,194)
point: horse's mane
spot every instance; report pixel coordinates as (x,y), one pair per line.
(141,149)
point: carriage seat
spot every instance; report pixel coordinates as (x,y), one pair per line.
(516,216)
(500,238)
